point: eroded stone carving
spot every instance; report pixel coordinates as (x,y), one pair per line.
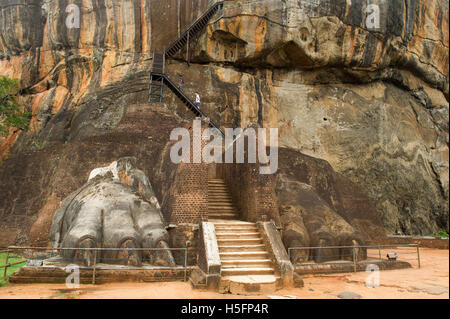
(116,208)
(310,222)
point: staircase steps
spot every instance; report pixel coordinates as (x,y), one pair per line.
(221,215)
(241,249)
(246,263)
(246,271)
(233,235)
(248,248)
(243,254)
(220,203)
(193,30)
(246,266)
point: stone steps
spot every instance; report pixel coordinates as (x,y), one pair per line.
(220,203)
(238,229)
(258,254)
(221,208)
(222,215)
(246,271)
(239,241)
(224,235)
(246,267)
(241,249)
(246,263)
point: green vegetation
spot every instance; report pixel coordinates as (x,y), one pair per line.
(61,295)
(11,115)
(11,270)
(440,234)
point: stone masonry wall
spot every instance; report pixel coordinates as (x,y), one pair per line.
(253,193)
(190,204)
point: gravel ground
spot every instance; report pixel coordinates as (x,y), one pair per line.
(430,281)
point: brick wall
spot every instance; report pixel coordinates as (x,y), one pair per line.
(190,190)
(252,193)
(438,243)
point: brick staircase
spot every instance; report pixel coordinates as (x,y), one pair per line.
(220,204)
(244,258)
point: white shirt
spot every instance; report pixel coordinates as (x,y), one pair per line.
(197,98)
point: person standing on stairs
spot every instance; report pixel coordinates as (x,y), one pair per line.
(197,99)
(181,85)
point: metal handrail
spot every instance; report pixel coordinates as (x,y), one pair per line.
(200,112)
(193,25)
(379,247)
(367,246)
(95,249)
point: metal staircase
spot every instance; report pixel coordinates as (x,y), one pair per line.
(193,30)
(155,93)
(158,78)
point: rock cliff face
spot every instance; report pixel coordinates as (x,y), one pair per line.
(371,100)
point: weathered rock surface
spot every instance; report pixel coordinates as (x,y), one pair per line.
(36,181)
(320,208)
(373,103)
(116,208)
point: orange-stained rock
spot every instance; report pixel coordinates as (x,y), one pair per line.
(372,103)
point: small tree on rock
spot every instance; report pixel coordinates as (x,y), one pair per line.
(11,115)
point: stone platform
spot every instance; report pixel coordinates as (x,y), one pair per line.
(54,271)
(249,284)
(343,266)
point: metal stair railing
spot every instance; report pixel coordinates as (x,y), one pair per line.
(158,78)
(193,30)
(187,101)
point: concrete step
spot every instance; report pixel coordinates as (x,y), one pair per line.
(253,263)
(233,223)
(222,211)
(227,214)
(237,229)
(249,284)
(230,235)
(219,206)
(247,271)
(239,248)
(241,241)
(243,255)
(221,216)
(219,196)
(216,181)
